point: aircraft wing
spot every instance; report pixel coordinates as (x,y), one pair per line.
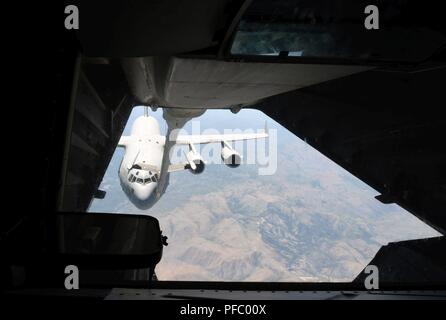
(213,138)
(123,141)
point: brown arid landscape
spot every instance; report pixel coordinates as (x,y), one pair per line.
(310,221)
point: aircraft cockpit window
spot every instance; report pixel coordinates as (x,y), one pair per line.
(147,180)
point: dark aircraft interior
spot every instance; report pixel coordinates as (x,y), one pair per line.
(372,101)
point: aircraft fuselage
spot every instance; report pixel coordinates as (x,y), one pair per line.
(141,164)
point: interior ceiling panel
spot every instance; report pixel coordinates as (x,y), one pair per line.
(124,28)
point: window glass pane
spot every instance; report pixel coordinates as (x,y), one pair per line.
(334,29)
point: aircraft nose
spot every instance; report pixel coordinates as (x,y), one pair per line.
(144,192)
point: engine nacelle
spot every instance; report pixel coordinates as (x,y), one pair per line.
(196,162)
(230,157)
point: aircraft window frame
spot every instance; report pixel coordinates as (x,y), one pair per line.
(140,181)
